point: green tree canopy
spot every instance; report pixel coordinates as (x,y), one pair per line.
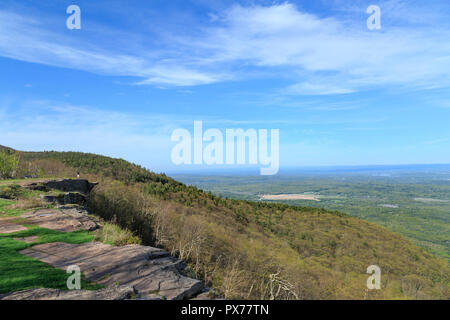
(8,164)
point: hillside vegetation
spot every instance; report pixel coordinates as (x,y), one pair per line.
(249,249)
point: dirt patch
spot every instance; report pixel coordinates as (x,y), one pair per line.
(289,197)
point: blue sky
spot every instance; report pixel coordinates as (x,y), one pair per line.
(339,93)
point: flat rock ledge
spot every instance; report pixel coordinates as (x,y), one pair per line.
(152,272)
(110,293)
(67,219)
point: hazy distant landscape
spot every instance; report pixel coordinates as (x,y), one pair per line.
(411,200)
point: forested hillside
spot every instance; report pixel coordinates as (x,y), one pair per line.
(250,249)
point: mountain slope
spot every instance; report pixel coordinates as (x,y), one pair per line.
(252,249)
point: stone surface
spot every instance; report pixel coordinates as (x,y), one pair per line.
(109,293)
(8,227)
(151,271)
(61,219)
(208,294)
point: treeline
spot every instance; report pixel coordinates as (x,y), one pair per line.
(107,167)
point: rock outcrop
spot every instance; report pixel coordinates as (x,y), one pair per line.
(71,185)
(76,191)
(67,198)
(66,185)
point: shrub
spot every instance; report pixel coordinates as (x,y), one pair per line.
(114,235)
(8,164)
(11,192)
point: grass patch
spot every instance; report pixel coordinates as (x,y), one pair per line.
(7,209)
(15,200)
(4,203)
(48,235)
(20,272)
(11,181)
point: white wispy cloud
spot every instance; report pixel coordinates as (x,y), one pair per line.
(342,57)
(321,55)
(25,38)
(318,88)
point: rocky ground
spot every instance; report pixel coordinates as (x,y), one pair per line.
(132,271)
(111,293)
